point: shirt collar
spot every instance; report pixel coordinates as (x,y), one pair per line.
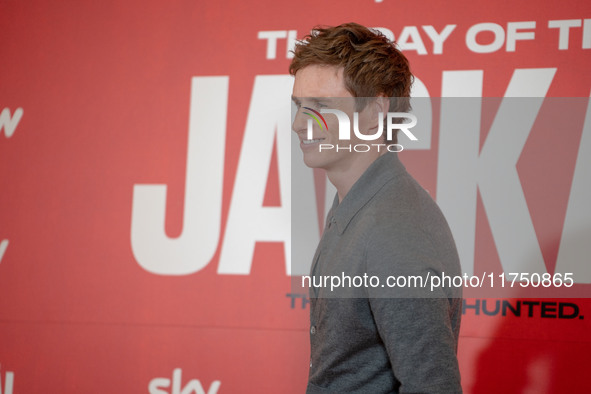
(381,171)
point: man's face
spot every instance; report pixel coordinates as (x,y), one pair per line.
(320,87)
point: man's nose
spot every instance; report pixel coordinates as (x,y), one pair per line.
(300,122)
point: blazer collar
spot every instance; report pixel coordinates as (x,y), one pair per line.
(381,171)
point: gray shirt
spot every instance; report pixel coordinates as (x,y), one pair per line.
(382,339)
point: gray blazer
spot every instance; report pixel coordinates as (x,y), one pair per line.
(377,338)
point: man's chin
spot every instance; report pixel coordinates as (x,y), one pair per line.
(313,160)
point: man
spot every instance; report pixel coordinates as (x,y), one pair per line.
(372,338)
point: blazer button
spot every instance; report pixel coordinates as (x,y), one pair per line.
(313,330)
(331,222)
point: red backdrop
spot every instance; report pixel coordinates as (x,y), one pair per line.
(96,99)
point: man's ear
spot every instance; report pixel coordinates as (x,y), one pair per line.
(382,104)
(377,105)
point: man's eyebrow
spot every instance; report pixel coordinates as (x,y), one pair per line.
(313,99)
